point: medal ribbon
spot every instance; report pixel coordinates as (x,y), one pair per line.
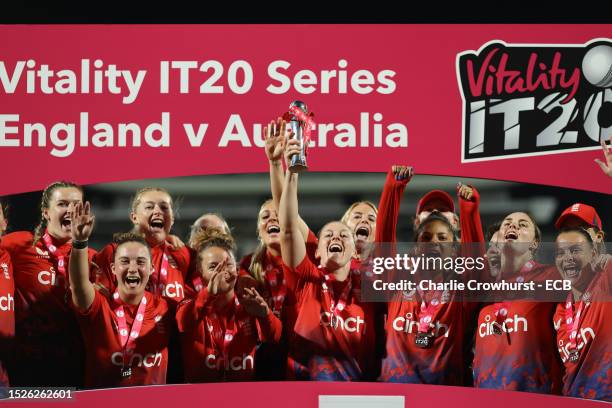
(159,284)
(228,335)
(573,322)
(127,335)
(61,259)
(277,291)
(427,312)
(501,313)
(197,284)
(337,307)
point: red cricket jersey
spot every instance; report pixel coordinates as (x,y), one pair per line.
(219,345)
(591,375)
(444,362)
(104,357)
(7,314)
(524,356)
(49,348)
(328,346)
(178,265)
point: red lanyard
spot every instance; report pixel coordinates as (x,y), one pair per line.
(228,335)
(127,335)
(427,312)
(278,291)
(159,284)
(61,259)
(573,322)
(197,284)
(337,307)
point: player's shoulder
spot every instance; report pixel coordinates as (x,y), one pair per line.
(17,239)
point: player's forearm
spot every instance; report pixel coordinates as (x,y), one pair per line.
(276,181)
(82,289)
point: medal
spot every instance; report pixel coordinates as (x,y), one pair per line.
(497,328)
(574,356)
(126,372)
(423,340)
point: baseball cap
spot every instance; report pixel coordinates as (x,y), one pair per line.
(436,195)
(585,212)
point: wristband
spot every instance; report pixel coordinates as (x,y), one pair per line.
(79,244)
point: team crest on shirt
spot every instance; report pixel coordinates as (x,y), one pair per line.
(41,253)
(534,99)
(5,269)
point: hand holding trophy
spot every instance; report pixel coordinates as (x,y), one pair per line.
(301,125)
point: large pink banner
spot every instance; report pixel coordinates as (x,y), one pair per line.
(304,395)
(106,103)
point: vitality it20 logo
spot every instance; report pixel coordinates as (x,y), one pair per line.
(532,99)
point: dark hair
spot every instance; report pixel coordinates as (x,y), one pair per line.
(44,204)
(582,231)
(435,216)
(493,228)
(125,237)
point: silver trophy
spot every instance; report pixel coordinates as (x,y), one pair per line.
(298,161)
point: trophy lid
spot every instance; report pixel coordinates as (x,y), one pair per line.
(299,104)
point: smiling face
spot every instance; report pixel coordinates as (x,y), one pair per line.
(518,232)
(152,215)
(573,252)
(336,246)
(132,268)
(494,253)
(210,258)
(57,213)
(435,238)
(268,226)
(361,220)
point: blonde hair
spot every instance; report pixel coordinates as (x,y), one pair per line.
(256,265)
(143,191)
(195,227)
(347,213)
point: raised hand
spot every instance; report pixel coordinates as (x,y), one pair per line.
(253,303)
(402,173)
(292,147)
(175,241)
(214,283)
(276,138)
(464,191)
(81,221)
(607,166)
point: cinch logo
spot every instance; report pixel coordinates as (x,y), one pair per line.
(237,363)
(351,324)
(512,324)
(534,99)
(7,303)
(174,290)
(585,335)
(148,360)
(408,325)
(47,277)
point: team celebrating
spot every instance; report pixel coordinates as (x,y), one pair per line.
(148,309)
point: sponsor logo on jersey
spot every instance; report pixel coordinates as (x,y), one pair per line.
(7,303)
(138,360)
(407,324)
(350,324)
(513,324)
(236,363)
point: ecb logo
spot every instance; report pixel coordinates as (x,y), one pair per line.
(535,99)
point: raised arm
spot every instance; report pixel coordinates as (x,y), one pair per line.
(293,245)
(82,222)
(469,214)
(389,205)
